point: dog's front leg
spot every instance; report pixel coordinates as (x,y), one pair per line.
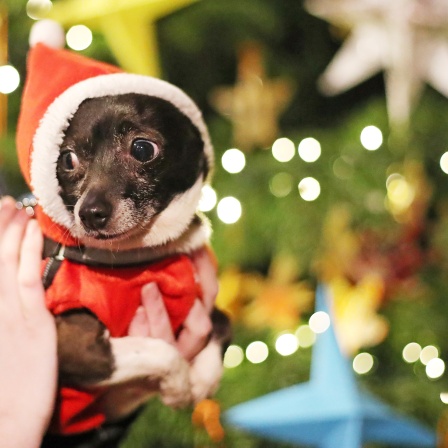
(154,360)
(207,367)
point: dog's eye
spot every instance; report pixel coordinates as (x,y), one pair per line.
(69,160)
(144,150)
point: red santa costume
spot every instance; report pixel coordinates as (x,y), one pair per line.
(57,82)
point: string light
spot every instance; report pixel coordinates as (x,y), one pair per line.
(79,37)
(309,189)
(9,79)
(309,149)
(229,210)
(286,344)
(233,356)
(371,138)
(257,352)
(363,363)
(319,322)
(38,9)
(283,149)
(208,199)
(233,160)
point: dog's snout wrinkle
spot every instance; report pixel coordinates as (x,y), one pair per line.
(95,211)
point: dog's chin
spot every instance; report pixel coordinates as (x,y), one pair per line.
(128,239)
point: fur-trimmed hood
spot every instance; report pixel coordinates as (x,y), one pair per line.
(58,81)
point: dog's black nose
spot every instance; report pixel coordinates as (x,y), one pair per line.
(95,212)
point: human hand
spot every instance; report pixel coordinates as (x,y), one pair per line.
(28,364)
(151,319)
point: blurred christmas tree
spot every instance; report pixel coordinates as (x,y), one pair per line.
(349,190)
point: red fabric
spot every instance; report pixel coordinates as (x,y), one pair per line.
(41,89)
(114,295)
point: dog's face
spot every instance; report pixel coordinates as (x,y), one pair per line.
(123,161)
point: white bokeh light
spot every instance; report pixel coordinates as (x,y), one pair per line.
(229,210)
(363,363)
(319,322)
(233,160)
(208,199)
(306,336)
(38,9)
(411,352)
(428,353)
(233,356)
(283,149)
(257,352)
(371,138)
(435,368)
(9,79)
(309,189)
(79,37)
(444,163)
(286,344)
(309,149)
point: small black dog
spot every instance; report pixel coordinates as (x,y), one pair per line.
(129,166)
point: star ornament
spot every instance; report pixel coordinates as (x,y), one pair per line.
(404,38)
(255,103)
(331,410)
(129,27)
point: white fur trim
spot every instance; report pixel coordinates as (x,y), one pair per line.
(50,133)
(47,32)
(175,219)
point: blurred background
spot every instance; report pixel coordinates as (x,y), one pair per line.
(329,120)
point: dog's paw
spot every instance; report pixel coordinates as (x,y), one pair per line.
(206,372)
(175,385)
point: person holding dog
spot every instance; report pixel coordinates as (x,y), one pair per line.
(28,346)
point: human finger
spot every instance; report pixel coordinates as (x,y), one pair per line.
(29,278)
(158,321)
(7,212)
(207,273)
(139,325)
(9,256)
(195,332)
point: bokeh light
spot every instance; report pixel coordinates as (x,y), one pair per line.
(444,397)
(38,9)
(233,160)
(363,363)
(435,368)
(229,210)
(79,37)
(257,352)
(444,162)
(286,344)
(411,352)
(371,138)
(429,352)
(208,199)
(306,336)
(309,149)
(319,322)
(233,356)
(283,149)
(9,79)
(281,185)
(400,193)
(309,189)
